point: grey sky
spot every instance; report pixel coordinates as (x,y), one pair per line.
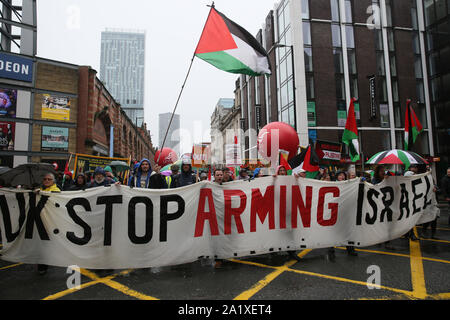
(70,31)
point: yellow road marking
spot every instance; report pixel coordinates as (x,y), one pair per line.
(435,240)
(443,296)
(246,295)
(407,293)
(397,254)
(417,273)
(11,266)
(117,286)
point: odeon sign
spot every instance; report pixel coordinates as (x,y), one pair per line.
(16,68)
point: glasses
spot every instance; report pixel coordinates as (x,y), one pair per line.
(48,179)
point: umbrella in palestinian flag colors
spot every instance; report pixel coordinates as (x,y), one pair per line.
(406,158)
(231,48)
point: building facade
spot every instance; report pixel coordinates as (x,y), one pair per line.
(324,52)
(173,136)
(122,69)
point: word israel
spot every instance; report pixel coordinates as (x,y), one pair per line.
(119,227)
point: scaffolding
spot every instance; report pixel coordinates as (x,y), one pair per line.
(18,30)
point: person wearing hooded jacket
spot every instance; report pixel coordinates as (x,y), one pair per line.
(145,177)
(186,177)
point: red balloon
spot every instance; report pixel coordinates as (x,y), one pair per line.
(168,156)
(288,139)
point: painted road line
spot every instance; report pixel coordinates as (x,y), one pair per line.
(11,266)
(246,295)
(84,272)
(435,240)
(417,273)
(397,254)
(340,279)
(116,285)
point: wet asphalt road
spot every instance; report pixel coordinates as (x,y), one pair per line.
(408,270)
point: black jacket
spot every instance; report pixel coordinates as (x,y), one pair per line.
(445,186)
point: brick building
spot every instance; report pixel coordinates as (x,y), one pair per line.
(324,52)
(66,109)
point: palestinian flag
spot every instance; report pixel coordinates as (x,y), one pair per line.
(231,48)
(307,160)
(350,136)
(284,161)
(413,127)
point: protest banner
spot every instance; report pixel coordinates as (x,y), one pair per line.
(119,227)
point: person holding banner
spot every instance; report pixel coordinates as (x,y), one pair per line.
(218,178)
(48,185)
(227,175)
(445,187)
(146,178)
(100,179)
(80,183)
(341,176)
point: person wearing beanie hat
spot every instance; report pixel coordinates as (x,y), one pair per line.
(100,179)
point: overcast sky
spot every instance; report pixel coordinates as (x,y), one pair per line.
(70,31)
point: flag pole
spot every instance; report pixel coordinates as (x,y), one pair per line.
(181,92)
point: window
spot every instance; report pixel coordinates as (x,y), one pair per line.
(335,10)
(350,36)
(348,11)
(305,9)
(306,33)
(336,35)
(352,61)
(338,60)
(308,60)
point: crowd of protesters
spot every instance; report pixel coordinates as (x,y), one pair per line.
(143,175)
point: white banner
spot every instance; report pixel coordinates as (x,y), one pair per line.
(119,227)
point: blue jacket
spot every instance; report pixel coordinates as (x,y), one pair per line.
(155,181)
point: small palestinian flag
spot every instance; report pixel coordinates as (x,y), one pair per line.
(412,126)
(350,136)
(307,160)
(284,161)
(231,48)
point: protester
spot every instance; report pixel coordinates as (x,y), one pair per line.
(174,176)
(378,175)
(431,224)
(67,182)
(243,174)
(100,179)
(48,185)
(323,171)
(187,176)
(413,170)
(110,174)
(445,189)
(203,176)
(301,174)
(227,175)
(80,183)
(218,178)
(341,176)
(146,178)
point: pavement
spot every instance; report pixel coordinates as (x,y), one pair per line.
(405,270)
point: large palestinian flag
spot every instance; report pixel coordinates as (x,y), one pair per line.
(231,48)
(413,127)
